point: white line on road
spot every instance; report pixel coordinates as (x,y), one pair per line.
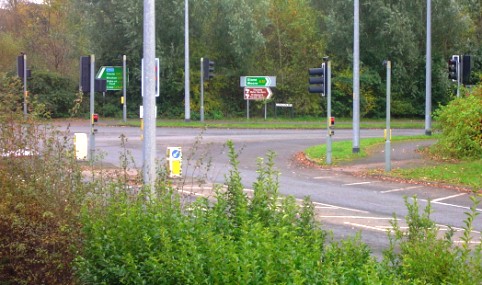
(320,177)
(451,205)
(358,217)
(400,189)
(448,197)
(359,183)
(317,204)
(366,227)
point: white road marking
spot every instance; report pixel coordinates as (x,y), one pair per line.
(366,227)
(359,183)
(358,217)
(448,197)
(450,205)
(320,177)
(317,204)
(400,189)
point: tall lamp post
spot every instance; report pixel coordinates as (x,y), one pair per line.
(149,99)
(428,72)
(356,78)
(187,105)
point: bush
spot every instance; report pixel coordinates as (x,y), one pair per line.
(41,194)
(461,125)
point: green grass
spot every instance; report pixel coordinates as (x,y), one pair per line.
(342,150)
(280,123)
(464,173)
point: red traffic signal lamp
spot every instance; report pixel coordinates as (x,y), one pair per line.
(95,118)
(332,121)
(318,77)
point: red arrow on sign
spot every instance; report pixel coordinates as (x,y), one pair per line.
(259,93)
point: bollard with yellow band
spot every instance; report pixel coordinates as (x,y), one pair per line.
(174,161)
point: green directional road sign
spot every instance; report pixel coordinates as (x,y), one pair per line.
(113,76)
(258,81)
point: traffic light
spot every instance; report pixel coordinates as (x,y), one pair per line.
(84,73)
(454,67)
(208,69)
(466,68)
(21,66)
(319,78)
(95,118)
(332,121)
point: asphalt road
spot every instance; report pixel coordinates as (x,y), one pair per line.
(345,204)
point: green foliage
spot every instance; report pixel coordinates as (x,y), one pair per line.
(41,193)
(231,240)
(57,93)
(418,256)
(461,125)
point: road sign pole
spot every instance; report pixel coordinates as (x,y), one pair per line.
(328,110)
(247,109)
(124,87)
(388,131)
(202,90)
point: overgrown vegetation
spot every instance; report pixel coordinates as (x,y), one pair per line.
(58,227)
(461,125)
(41,194)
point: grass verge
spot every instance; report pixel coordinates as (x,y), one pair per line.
(464,173)
(309,123)
(461,173)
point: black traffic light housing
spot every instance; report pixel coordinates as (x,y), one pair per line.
(453,67)
(208,69)
(84,74)
(318,77)
(466,68)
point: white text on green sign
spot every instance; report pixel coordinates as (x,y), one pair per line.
(113,76)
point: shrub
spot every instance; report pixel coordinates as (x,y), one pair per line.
(461,125)
(41,195)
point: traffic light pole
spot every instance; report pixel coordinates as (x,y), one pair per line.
(92,90)
(328,110)
(458,76)
(124,87)
(25,85)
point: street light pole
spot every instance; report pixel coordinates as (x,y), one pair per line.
(187,105)
(356,78)
(428,72)
(149,99)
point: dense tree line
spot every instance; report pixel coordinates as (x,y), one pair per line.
(282,38)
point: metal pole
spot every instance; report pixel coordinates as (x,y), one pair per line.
(328,111)
(202,90)
(187,106)
(356,78)
(149,100)
(92,111)
(124,87)
(428,73)
(247,109)
(265,111)
(25,85)
(388,149)
(458,75)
